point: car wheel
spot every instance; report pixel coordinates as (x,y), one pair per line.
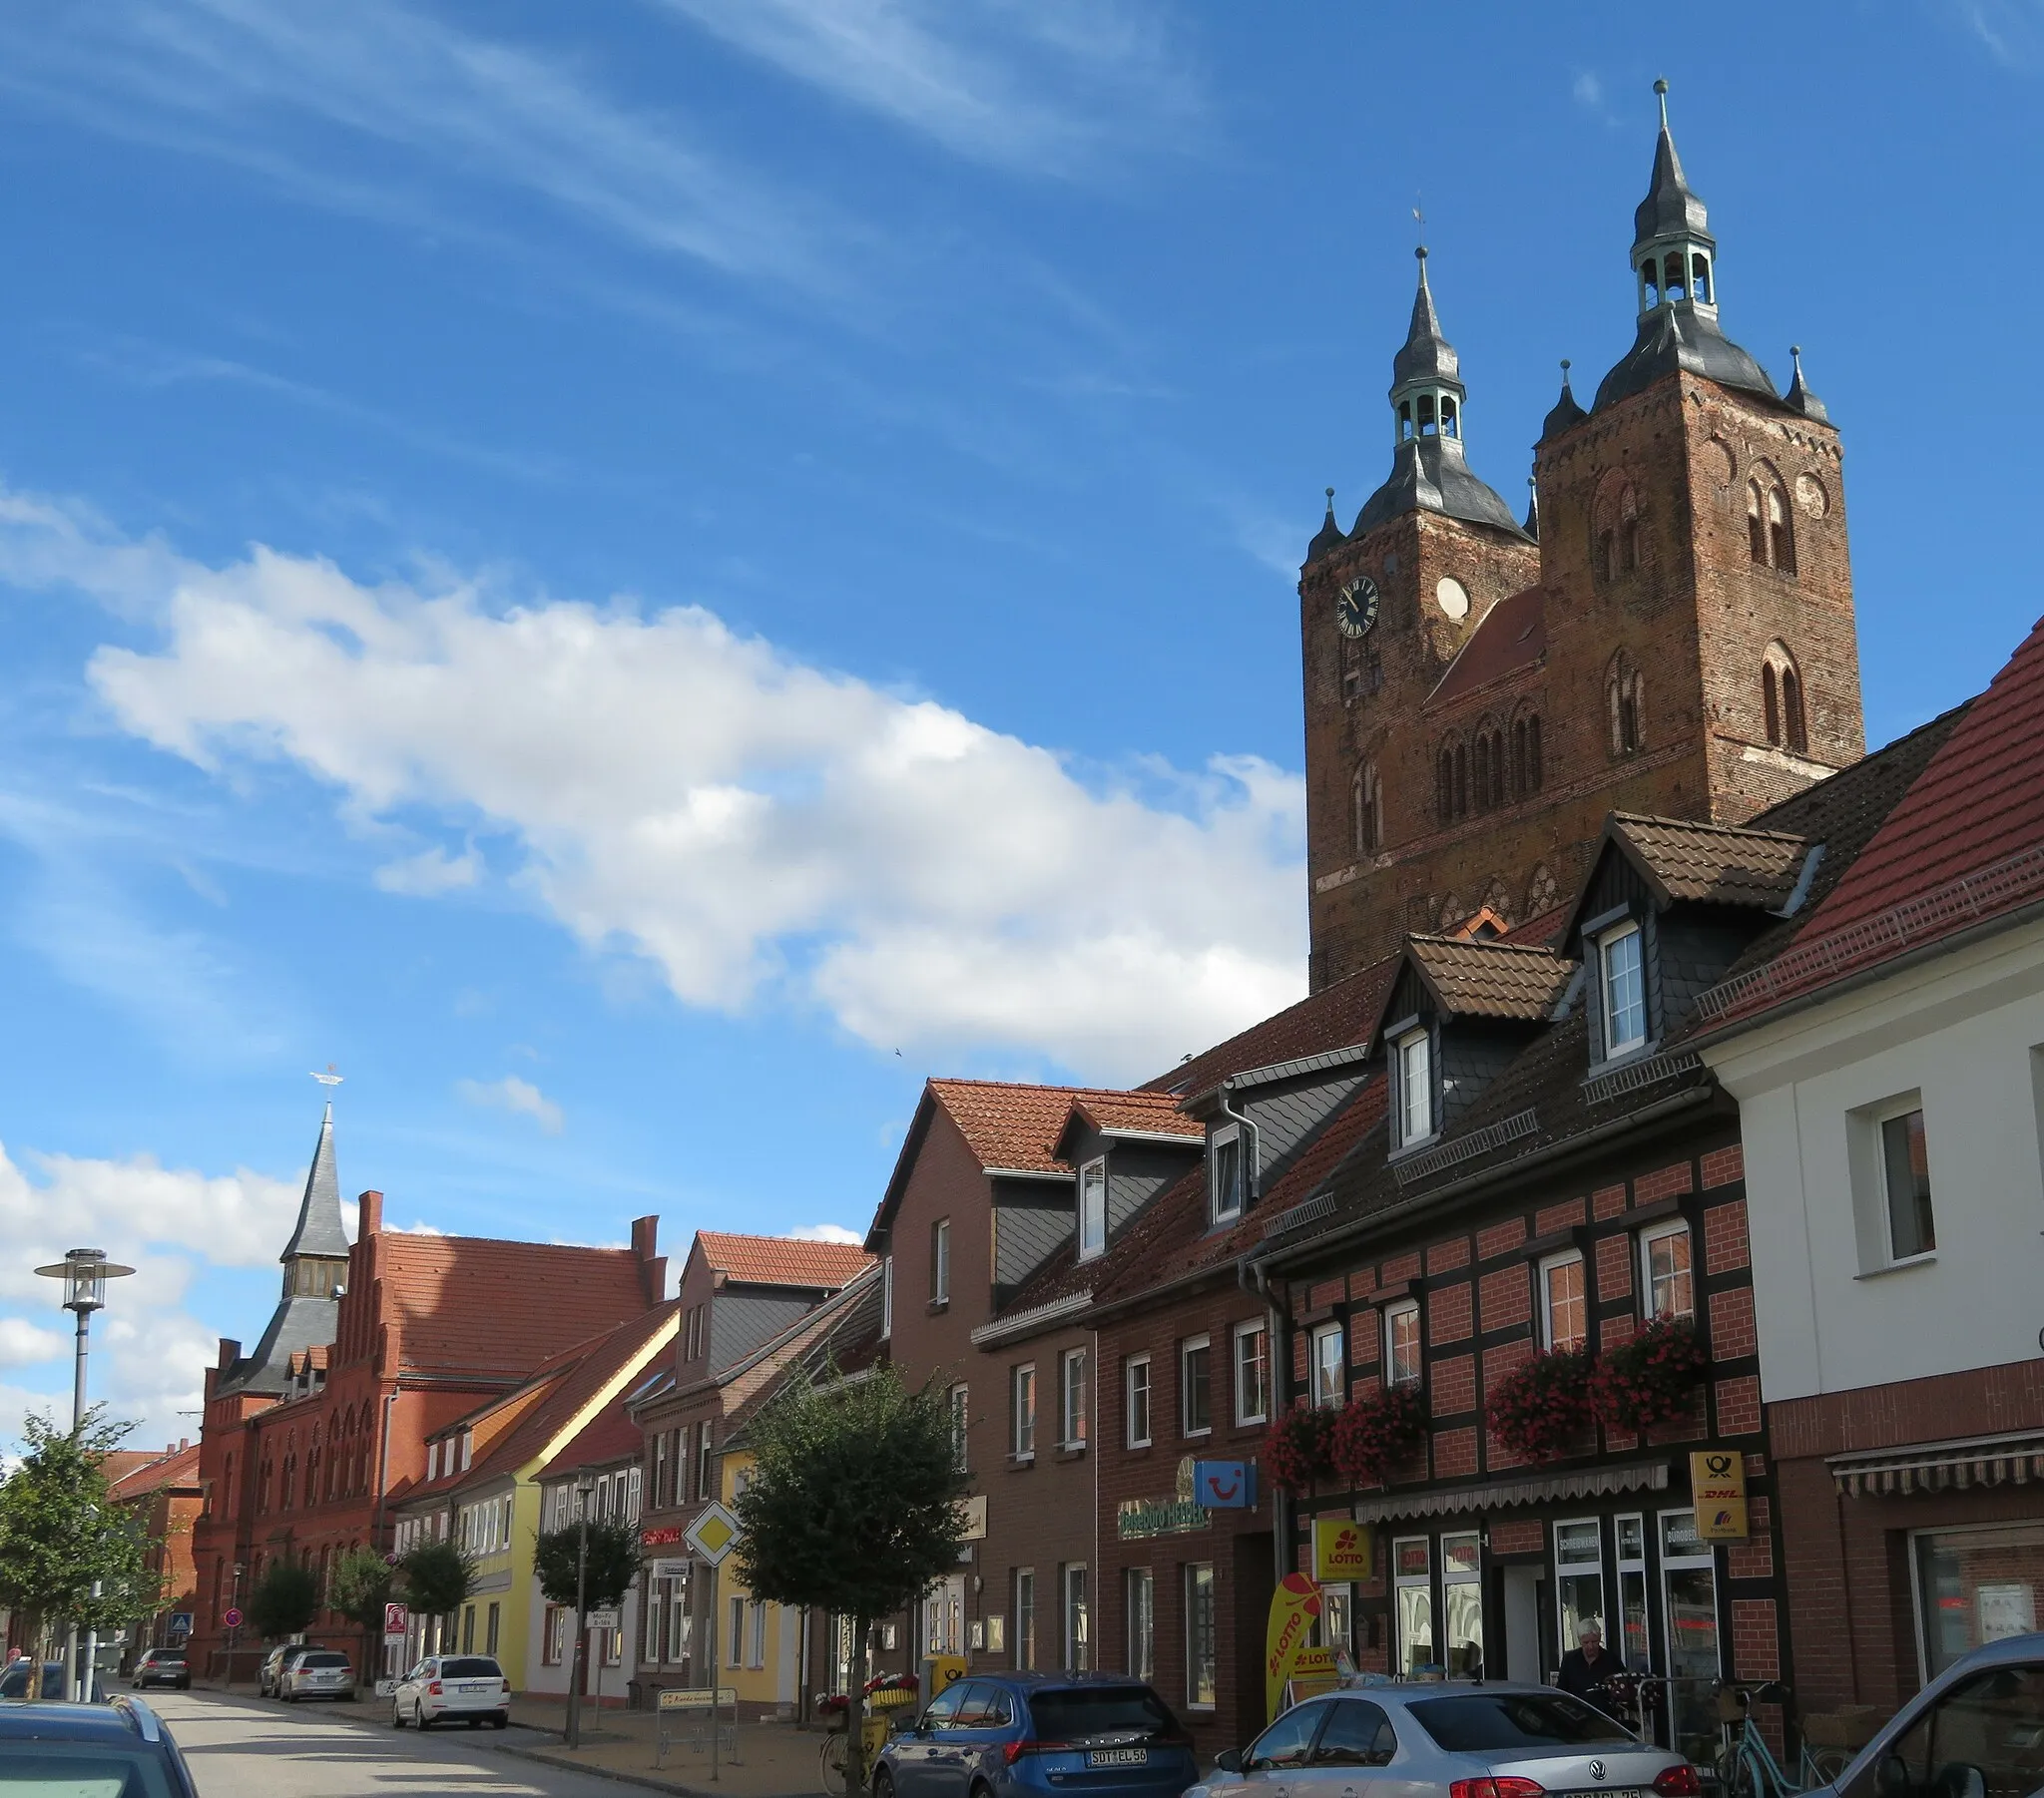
(396,1716)
(418,1717)
(502,1720)
(883,1783)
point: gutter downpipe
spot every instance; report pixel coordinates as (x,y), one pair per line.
(1277,1331)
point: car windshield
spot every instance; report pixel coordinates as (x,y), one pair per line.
(322,1659)
(471,1666)
(47,1769)
(1074,1713)
(1488,1722)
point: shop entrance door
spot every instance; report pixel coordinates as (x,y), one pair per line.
(1522,1624)
(1689,1596)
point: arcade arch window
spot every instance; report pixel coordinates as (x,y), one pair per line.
(1615,527)
(1770,529)
(1625,699)
(1781,700)
(1527,769)
(1487,767)
(1451,782)
(1370,810)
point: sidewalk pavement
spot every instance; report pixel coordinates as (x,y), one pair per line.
(775,1760)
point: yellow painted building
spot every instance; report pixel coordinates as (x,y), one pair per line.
(759,1645)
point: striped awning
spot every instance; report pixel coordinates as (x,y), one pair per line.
(2013,1459)
(1639,1476)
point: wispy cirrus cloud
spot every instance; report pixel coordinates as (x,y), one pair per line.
(1043,87)
(518,1097)
(2011,30)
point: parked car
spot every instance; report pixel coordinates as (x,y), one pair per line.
(449,1688)
(161,1666)
(270,1676)
(14,1682)
(1975,1731)
(1020,1735)
(317,1673)
(1457,1738)
(118,1747)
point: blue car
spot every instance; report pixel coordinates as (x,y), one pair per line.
(1028,1735)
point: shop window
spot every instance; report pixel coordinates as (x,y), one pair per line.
(1329,1365)
(1203,1641)
(1666,1278)
(1251,1372)
(1141,1592)
(1633,1646)
(1564,1318)
(1412,1582)
(1401,1343)
(1462,1603)
(1689,1596)
(1976,1586)
(1579,1579)
(1135,1386)
(1335,1625)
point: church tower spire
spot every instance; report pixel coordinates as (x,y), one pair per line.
(315,1258)
(1426,375)
(1674,257)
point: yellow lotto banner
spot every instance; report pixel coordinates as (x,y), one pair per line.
(1343,1550)
(1293,1605)
(1717,1482)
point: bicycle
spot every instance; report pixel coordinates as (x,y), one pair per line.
(833,1768)
(1746,1767)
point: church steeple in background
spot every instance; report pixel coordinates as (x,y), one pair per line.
(315,1258)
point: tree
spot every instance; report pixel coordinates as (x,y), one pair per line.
(285,1601)
(358,1585)
(59,1535)
(436,1578)
(612,1565)
(853,1506)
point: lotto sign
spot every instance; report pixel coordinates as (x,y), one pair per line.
(1717,1482)
(713,1534)
(1293,1605)
(396,1623)
(1343,1550)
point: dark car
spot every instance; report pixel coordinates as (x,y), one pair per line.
(118,1747)
(15,1682)
(1028,1735)
(163,1666)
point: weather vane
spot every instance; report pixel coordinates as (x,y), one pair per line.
(329,1077)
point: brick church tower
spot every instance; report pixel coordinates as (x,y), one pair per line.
(1670,630)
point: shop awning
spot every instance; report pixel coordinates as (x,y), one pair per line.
(1640,1476)
(2013,1459)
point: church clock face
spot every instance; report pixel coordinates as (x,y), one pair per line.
(1356,610)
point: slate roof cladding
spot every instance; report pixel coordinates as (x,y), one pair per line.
(1714,864)
(1677,338)
(1512,636)
(319,1229)
(1495,979)
(1336,1017)
(1431,474)
(782,1260)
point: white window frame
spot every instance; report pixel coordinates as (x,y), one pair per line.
(940,1261)
(1607,941)
(1190,1345)
(1564,1570)
(1194,1571)
(1409,1113)
(1329,1395)
(1025,1618)
(886,1297)
(1260,1412)
(1021,1388)
(1225,1205)
(1405,1307)
(1075,1398)
(1093,1208)
(1658,1233)
(1881,1116)
(1403,1581)
(1129,1368)
(1074,1618)
(1549,1266)
(1139,1610)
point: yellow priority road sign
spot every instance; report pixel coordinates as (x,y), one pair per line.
(713,1534)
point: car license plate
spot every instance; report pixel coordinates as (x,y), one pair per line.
(1119,1757)
(471,1689)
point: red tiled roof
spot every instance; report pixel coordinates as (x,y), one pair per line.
(465,1304)
(1492,979)
(612,1435)
(1010,1124)
(1336,1017)
(1965,842)
(1512,636)
(782,1260)
(180,1468)
(1155,1112)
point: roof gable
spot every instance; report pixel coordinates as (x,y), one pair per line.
(1512,636)
(782,1260)
(1681,859)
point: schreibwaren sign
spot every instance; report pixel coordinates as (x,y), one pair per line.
(1135,1519)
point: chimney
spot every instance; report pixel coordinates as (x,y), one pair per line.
(652,1266)
(230,1353)
(370,1222)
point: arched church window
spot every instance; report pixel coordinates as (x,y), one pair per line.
(1370,810)
(1542,894)
(1526,774)
(1781,532)
(1628,530)
(1781,700)
(1448,422)
(1771,535)
(1461,781)
(1404,419)
(1700,278)
(1479,757)
(1624,693)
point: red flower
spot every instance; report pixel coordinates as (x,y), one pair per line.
(1647,1381)
(1374,1433)
(1296,1456)
(1540,1410)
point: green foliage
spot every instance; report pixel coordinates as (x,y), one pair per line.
(853,1506)
(285,1601)
(612,1565)
(359,1584)
(59,1534)
(436,1578)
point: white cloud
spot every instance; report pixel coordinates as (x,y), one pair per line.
(825,1232)
(516,1095)
(23,1345)
(1589,91)
(1043,86)
(741,819)
(432,872)
(417,1227)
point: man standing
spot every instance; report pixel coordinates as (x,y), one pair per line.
(1586,1668)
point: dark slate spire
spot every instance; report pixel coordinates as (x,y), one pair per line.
(1532,525)
(1428,356)
(1566,412)
(1328,536)
(320,1231)
(1670,209)
(1798,399)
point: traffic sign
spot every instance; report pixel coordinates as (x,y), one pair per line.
(181,1623)
(233,1619)
(603,1620)
(396,1623)
(713,1534)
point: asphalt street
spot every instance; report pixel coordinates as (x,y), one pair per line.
(246,1747)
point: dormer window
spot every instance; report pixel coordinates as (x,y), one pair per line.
(1092,1209)
(1623,988)
(1412,1057)
(1225,1174)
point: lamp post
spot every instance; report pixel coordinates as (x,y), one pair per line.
(584,1488)
(85,1273)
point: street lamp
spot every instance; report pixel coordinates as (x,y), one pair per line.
(585,1489)
(85,1273)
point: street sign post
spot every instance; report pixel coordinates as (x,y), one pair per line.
(233,1619)
(396,1625)
(712,1536)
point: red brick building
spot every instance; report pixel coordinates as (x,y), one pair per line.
(163,1495)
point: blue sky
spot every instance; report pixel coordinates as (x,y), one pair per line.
(638,578)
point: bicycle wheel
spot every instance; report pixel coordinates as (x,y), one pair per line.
(1825,1764)
(830,1766)
(1738,1776)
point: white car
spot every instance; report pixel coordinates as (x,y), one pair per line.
(317,1673)
(469,1688)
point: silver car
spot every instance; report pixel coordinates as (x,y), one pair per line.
(1450,1739)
